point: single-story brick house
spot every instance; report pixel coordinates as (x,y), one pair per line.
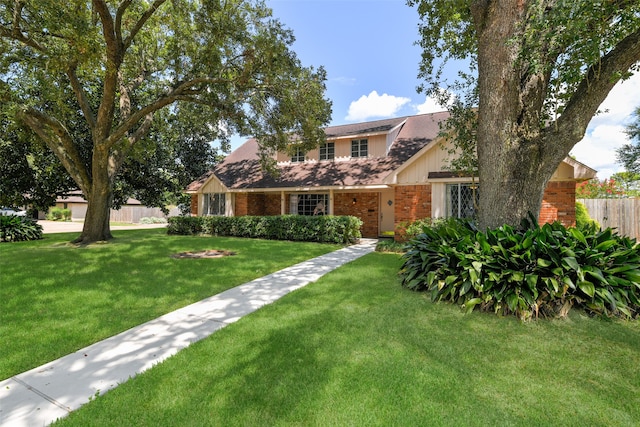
(385,172)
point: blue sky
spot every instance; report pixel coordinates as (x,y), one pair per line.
(368,50)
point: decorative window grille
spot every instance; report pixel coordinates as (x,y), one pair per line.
(462,200)
(214,204)
(298,156)
(308,204)
(359,148)
(327,151)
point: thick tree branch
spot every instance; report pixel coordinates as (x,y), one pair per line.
(184,92)
(140,24)
(599,79)
(81,96)
(108,30)
(121,131)
(119,13)
(58,139)
(16,33)
(110,84)
(118,155)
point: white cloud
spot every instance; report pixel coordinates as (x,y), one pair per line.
(346,81)
(430,105)
(374,105)
(605,133)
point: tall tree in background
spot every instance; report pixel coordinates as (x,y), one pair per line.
(30,174)
(539,71)
(629,154)
(176,151)
(127,61)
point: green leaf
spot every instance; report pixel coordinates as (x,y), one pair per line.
(512,301)
(587,287)
(473,276)
(544,263)
(517,276)
(597,274)
(634,275)
(606,245)
(577,234)
(470,305)
(571,262)
(477,266)
(465,287)
(567,281)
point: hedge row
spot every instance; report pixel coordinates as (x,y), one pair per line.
(324,229)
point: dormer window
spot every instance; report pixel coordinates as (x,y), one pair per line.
(359,148)
(327,151)
(298,156)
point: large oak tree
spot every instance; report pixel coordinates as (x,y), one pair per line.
(539,71)
(127,61)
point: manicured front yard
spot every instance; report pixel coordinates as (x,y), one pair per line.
(56,298)
(355,348)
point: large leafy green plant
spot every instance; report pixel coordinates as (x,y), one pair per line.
(528,272)
(18,228)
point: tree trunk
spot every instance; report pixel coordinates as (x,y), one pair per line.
(512,168)
(514,190)
(96,222)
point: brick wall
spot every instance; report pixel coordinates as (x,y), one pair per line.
(559,203)
(412,202)
(194,205)
(365,208)
(272,204)
(255,204)
(241,205)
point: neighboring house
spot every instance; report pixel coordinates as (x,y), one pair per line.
(385,172)
(131,211)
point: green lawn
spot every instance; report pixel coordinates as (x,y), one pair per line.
(56,298)
(355,348)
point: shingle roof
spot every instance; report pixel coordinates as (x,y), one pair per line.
(241,169)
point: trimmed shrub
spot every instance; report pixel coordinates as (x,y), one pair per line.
(152,220)
(408,230)
(19,228)
(185,225)
(325,229)
(388,245)
(529,272)
(583,219)
(59,214)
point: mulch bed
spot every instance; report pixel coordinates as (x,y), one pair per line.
(209,253)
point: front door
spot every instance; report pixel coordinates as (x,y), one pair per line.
(387,219)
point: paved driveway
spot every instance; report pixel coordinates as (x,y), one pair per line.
(69,227)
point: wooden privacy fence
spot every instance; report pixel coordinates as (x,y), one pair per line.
(134,213)
(621,214)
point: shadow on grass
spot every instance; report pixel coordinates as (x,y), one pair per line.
(356,349)
(56,298)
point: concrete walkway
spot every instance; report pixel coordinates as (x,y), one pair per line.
(40,396)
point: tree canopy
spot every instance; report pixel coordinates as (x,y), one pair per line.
(629,154)
(539,70)
(133,66)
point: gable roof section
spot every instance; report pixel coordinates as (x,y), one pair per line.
(581,172)
(241,169)
(378,126)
